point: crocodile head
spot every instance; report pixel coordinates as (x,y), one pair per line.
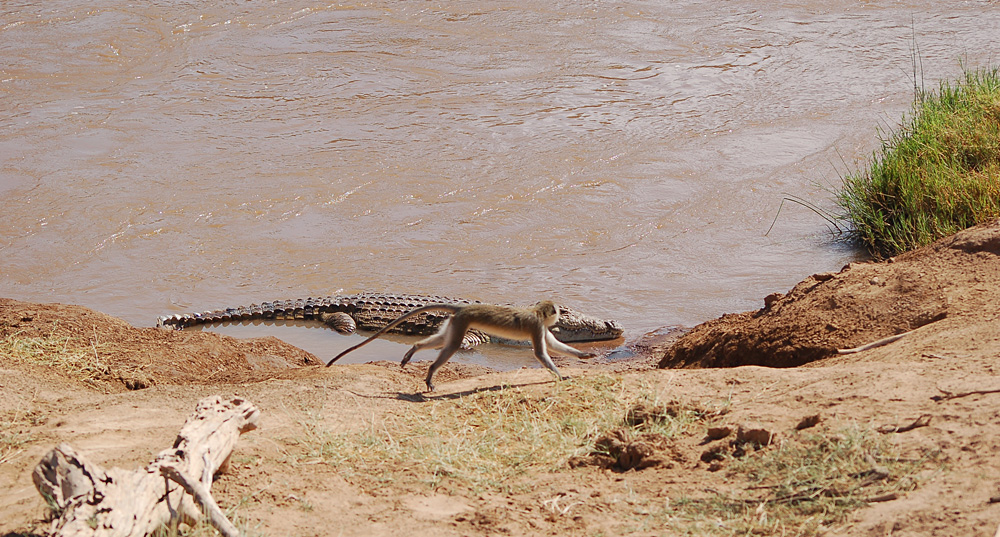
(575,326)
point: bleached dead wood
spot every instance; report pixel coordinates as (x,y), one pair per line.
(878,343)
(93,501)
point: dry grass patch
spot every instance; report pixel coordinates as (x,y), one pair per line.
(15,433)
(490,439)
(498,440)
(203,529)
(64,353)
(79,359)
(803,485)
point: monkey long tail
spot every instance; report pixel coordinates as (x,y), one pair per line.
(450,308)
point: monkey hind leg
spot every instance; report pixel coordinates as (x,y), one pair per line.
(408,355)
(433,342)
(446,353)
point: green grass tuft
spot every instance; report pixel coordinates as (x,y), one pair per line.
(938,174)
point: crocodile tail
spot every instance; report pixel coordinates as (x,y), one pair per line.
(450,308)
(308,308)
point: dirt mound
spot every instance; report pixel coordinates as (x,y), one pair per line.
(139,357)
(957,278)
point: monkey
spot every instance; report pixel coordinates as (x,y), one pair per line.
(522,324)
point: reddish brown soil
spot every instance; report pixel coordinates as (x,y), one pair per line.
(950,283)
(947,296)
(139,357)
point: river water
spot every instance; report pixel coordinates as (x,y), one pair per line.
(625,158)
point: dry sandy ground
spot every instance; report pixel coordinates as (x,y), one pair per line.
(946,298)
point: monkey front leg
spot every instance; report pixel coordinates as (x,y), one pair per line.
(538,340)
(550,341)
(564,349)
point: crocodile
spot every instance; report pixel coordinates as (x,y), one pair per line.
(372,311)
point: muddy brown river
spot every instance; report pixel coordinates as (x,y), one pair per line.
(625,158)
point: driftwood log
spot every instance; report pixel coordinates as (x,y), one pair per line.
(174,488)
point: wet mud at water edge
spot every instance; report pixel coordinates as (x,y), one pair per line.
(625,159)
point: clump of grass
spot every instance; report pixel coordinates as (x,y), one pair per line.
(937,174)
(809,482)
(202,528)
(79,359)
(65,353)
(13,435)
